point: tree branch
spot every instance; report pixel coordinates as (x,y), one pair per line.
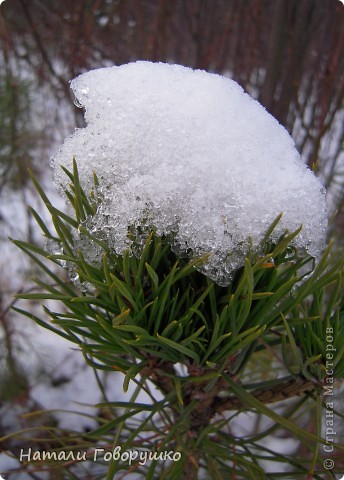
(292,387)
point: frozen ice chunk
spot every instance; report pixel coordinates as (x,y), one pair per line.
(191,154)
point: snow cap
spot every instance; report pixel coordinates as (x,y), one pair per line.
(190,154)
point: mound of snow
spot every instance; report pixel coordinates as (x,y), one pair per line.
(190,154)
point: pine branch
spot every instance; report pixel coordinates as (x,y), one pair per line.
(289,388)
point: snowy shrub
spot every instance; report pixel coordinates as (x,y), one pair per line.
(188,280)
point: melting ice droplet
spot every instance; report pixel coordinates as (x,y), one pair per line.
(191,154)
